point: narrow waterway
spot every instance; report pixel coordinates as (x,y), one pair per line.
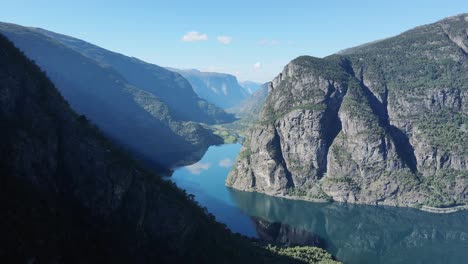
(353,233)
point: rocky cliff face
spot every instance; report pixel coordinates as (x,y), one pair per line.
(384,123)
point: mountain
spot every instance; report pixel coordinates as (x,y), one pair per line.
(68,195)
(383,123)
(250,87)
(251,107)
(151,111)
(220,89)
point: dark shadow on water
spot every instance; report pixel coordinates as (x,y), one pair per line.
(360,233)
(285,235)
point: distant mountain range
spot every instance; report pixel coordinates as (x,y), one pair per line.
(250,108)
(152,111)
(220,89)
(250,86)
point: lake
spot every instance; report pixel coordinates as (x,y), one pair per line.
(352,233)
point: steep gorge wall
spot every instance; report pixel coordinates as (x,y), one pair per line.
(382,124)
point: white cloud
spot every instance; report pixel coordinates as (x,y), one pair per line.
(198,167)
(194,36)
(268,42)
(257,66)
(226,40)
(225,163)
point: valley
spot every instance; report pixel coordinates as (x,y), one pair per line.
(357,156)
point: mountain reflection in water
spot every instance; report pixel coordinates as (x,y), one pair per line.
(360,233)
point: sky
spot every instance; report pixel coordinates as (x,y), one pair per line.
(251,39)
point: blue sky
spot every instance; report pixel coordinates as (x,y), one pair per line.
(257,38)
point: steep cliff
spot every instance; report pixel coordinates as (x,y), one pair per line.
(151,111)
(68,195)
(383,123)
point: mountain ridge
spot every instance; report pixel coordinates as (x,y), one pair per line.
(367,127)
(221,89)
(145,119)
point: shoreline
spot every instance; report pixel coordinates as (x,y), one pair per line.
(447,210)
(424,208)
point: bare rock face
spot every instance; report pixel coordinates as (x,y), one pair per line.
(383,123)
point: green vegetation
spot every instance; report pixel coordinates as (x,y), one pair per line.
(446,130)
(333,70)
(246,153)
(330,68)
(321,195)
(343,179)
(356,104)
(305,254)
(296,191)
(340,154)
(438,184)
(228,136)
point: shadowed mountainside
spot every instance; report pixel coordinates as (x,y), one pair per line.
(151,111)
(70,196)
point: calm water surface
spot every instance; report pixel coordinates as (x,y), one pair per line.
(353,233)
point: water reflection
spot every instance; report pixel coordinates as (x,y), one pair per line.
(361,234)
(353,233)
(285,235)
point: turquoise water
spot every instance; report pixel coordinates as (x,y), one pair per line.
(205,179)
(352,233)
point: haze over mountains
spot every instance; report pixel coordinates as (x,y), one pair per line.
(250,86)
(152,111)
(384,123)
(250,108)
(220,89)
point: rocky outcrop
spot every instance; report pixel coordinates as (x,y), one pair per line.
(384,123)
